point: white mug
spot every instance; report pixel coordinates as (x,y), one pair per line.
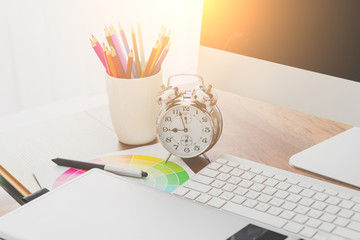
(133,108)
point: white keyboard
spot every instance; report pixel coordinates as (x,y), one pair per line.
(307,207)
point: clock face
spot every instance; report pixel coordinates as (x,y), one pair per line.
(185,131)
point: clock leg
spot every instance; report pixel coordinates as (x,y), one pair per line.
(167,159)
(206,157)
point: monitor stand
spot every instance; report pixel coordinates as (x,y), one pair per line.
(337,157)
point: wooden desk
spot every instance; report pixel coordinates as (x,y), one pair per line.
(261,132)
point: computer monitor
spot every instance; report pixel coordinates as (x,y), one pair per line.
(303,55)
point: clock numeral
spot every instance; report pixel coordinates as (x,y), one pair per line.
(176,111)
(204,140)
(186,108)
(165,129)
(176,146)
(197,148)
(207,130)
(168,139)
(204,119)
(197,111)
(186,150)
(167,119)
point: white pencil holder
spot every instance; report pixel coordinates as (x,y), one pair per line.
(133,108)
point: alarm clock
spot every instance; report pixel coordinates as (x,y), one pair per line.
(189,122)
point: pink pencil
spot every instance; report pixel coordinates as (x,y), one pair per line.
(161,59)
(117,46)
(99,51)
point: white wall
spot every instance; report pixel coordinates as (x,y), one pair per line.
(46,54)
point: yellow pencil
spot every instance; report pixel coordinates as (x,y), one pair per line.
(137,60)
(129,64)
(151,59)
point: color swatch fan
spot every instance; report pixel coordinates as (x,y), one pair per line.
(166,177)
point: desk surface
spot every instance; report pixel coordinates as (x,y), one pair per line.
(261,132)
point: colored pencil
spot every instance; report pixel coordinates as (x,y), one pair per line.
(111,63)
(129,64)
(161,59)
(23,191)
(149,62)
(116,62)
(141,47)
(112,45)
(118,48)
(137,60)
(107,60)
(123,37)
(98,50)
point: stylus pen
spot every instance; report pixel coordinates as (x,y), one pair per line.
(110,168)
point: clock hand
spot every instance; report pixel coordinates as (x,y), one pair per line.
(182,120)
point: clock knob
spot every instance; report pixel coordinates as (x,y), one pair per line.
(205,95)
(167,95)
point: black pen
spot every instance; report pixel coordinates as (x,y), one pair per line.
(110,168)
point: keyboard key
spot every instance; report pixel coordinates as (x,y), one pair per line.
(259,179)
(229,187)
(236,172)
(356,208)
(301,209)
(328,217)
(269,190)
(218,184)
(234,180)
(304,185)
(225,169)
(281,194)
(292,181)
(319,205)
(257,187)
(254,214)
(342,222)
(315,223)
(215,192)
(197,186)
(295,189)
(346,233)
(279,177)
(227,196)
(356,199)
(241,191)
(330,192)
(252,194)
(346,204)
(332,209)
(245,183)
(264,198)
(247,175)
(287,214)
(209,172)
(344,196)
(314,213)
(238,199)
(271,182)
(192,194)
(274,211)
(345,213)
(320,197)
(307,193)
(216,202)
(306,201)
(250,203)
(283,186)
(289,206)
(276,202)
(317,188)
(214,166)
(203,198)
(221,161)
(263,207)
(203,179)
(244,167)
(232,164)
(354,226)
(300,218)
(223,176)
(267,174)
(256,170)
(327,227)
(356,217)
(293,198)
(333,200)
(308,232)
(293,227)
(180,191)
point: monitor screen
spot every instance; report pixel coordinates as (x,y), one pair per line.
(321,36)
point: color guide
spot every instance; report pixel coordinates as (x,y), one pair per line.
(166,177)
